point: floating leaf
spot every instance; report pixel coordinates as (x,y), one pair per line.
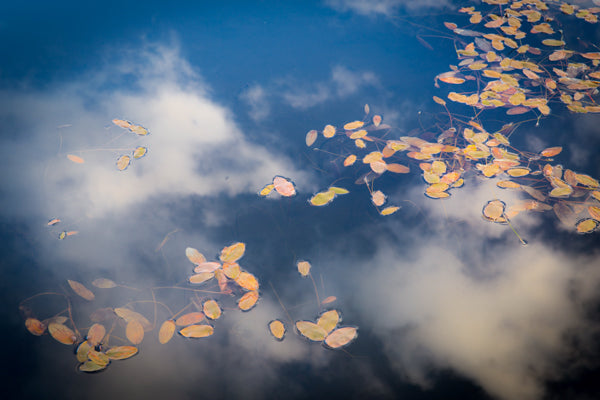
(165,333)
(494,211)
(197,331)
(231,270)
(341,337)
(201,277)
(103,283)
(594,212)
(96,334)
(122,123)
(389,210)
(376,120)
(123,162)
(61,333)
(121,352)
(267,189)
(329,299)
(350,126)
(303,267)
(138,130)
(311,330)
(81,290)
(587,225)
(586,180)
(98,358)
(338,190)
(232,253)
(518,172)
(139,152)
(210,266)
(551,151)
(247,281)
(35,326)
(134,332)
(83,350)
(329,131)
(311,137)
(90,366)
(329,320)
(378,198)
(211,309)
(189,318)
(194,256)
(130,315)
(349,160)
(277,329)
(53,221)
(248,300)
(397,168)
(75,159)
(284,186)
(322,198)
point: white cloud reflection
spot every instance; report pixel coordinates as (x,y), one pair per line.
(388,8)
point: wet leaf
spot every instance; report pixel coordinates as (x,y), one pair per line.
(248,300)
(277,329)
(551,151)
(284,186)
(329,131)
(194,256)
(83,350)
(494,211)
(341,337)
(123,162)
(81,290)
(122,123)
(389,210)
(121,352)
(350,126)
(303,268)
(518,172)
(210,266)
(587,225)
(165,333)
(329,320)
(197,331)
(201,277)
(98,358)
(267,189)
(134,332)
(338,190)
(35,326)
(378,198)
(233,253)
(61,333)
(351,159)
(594,212)
(586,180)
(103,283)
(397,168)
(231,270)
(130,315)
(139,152)
(75,159)
(90,366)
(96,334)
(211,309)
(311,137)
(247,281)
(189,318)
(322,198)
(311,330)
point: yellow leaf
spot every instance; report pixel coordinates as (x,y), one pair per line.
(194,256)
(329,320)
(211,309)
(587,225)
(233,253)
(121,352)
(81,290)
(311,330)
(277,329)
(389,210)
(75,159)
(247,281)
(123,162)
(341,337)
(134,332)
(303,267)
(350,126)
(248,300)
(329,131)
(197,331)
(165,333)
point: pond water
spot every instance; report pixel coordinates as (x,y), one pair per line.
(409,188)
